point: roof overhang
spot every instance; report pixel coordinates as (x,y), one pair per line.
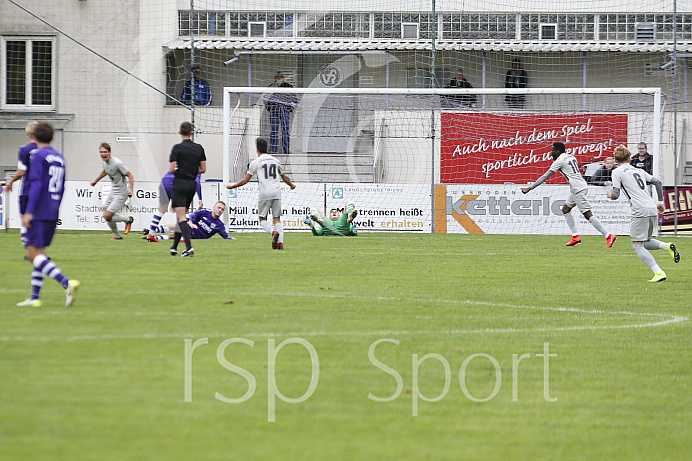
(305,46)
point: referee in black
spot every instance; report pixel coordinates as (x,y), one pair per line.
(187,160)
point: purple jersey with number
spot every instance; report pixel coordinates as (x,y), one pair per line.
(23,159)
(167,182)
(47,184)
(207,225)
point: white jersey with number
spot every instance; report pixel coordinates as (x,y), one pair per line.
(568,166)
(268,171)
(117,171)
(632,181)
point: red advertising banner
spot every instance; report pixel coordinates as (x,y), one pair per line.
(679,198)
(479,148)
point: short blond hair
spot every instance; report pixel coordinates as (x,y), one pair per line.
(621,153)
(30,127)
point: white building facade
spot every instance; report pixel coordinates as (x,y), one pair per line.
(114,72)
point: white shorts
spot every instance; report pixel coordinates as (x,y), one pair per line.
(579,199)
(642,229)
(264,206)
(115,202)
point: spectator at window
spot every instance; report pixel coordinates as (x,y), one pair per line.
(603,176)
(516,78)
(280,106)
(202,92)
(467,100)
(644,160)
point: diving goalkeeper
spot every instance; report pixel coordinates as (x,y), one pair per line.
(337,224)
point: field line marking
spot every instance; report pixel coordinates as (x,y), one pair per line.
(468,301)
(663,319)
(368,298)
(363,334)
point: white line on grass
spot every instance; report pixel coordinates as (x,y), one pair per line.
(362,334)
(662,319)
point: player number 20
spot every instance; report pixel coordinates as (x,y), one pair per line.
(56,174)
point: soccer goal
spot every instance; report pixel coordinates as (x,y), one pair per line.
(432,160)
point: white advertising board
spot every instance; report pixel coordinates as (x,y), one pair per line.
(82,207)
(503,209)
(295,204)
(381,207)
(3,207)
(385,207)
(458,208)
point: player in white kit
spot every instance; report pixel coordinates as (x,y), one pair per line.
(117,172)
(567,165)
(269,174)
(632,181)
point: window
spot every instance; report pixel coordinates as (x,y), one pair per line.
(27,73)
(577,26)
(212,23)
(545,27)
(342,25)
(479,26)
(616,27)
(276,25)
(391,25)
(548,32)
(409,30)
(257,29)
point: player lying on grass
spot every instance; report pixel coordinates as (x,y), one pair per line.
(567,165)
(203,224)
(632,181)
(337,224)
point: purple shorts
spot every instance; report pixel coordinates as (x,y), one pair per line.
(23,200)
(40,234)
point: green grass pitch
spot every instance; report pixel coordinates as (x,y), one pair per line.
(485,347)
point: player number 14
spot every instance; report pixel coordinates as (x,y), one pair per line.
(269,172)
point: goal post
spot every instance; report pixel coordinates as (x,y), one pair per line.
(374,141)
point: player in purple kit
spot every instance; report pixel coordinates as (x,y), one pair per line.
(24,156)
(46,187)
(203,224)
(165,194)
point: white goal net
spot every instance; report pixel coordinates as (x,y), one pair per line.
(433,159)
